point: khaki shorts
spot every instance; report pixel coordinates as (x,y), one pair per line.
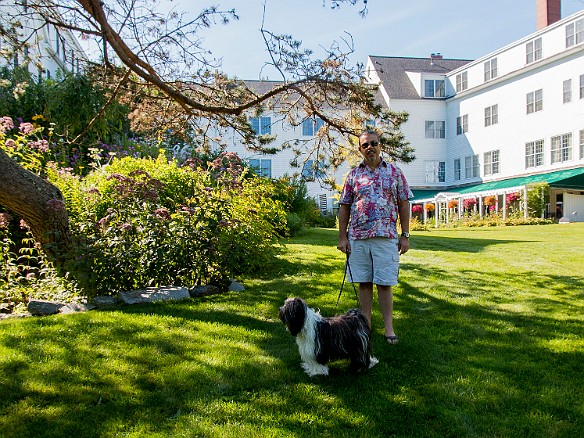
(374,260)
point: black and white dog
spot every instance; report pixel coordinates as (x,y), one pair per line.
(321,340)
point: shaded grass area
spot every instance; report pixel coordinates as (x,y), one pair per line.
(490,324)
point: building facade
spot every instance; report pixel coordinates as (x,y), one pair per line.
(40,46)
(492,126)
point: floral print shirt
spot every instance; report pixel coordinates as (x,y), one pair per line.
(373,195)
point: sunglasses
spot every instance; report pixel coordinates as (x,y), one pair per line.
(372,143)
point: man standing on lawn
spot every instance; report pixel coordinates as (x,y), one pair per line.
(375,194)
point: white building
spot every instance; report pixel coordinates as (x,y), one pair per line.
(491,126)
(487,127)
(39,45)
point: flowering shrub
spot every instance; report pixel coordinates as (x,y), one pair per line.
(146,222)
(490,200)
(452,203)
(512,197)
(469,203)
(417,209)
(429,207)
(24,143)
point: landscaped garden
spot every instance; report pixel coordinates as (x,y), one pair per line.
(490,324)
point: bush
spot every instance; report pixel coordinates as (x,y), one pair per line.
(148,222)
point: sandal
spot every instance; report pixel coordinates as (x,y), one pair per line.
(392,339)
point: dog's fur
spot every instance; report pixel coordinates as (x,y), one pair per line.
(322,340)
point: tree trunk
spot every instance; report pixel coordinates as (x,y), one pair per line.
(40,204)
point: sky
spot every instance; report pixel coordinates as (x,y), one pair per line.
(457,29)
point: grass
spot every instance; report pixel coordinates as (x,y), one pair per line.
(490,324)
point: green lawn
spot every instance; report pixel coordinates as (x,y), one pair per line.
(491,345)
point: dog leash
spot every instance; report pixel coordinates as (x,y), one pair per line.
(347,267)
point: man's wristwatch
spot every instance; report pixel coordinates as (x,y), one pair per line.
(406,235)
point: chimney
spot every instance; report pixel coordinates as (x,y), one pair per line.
(547,12)
(434,57)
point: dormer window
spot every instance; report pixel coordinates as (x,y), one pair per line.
(575,33)
(533,51)
(434,88)
(461,81)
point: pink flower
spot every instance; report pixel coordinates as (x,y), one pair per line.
(6,124)
(5,219)
(56,205)
(126,226)
(10,143)
(26,128)
(162,213)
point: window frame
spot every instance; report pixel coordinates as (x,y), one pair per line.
(437,91)
(437,129)
(492,115)
(490,69)
(533,51)
(462,124)
(574,33)
(567,91)
(533,102)
(457,170)
(461,81)
(534,155)
(561,148)
(435,171)
(261,125)
(472,166)
(264,167)
(311,125)
(491,162)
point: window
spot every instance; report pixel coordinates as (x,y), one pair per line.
(457,175)
(461,81)
(435,129)
(534,101)
(533,51)
(462,124)
(311,126)
(490,69)
(435,171)
(309,173)
(471,166)
(575,33)
(581,144)
(491,162)
(534,154)
(562,148)
(567,91)
(261,125)
(491,115)
(262,167)
(434,88)
(581,86)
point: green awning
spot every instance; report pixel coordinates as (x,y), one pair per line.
(567,179)
(424,194)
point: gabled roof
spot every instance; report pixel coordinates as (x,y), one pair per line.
(392,72)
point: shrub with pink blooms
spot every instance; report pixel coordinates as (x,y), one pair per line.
(417,209)
(147,222)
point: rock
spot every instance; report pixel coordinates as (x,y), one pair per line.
(236,287)
(152,294)
(75,307)
(200,291)
(43,307)
(104,301)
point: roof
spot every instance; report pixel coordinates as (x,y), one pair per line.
(572,179)
(392,72)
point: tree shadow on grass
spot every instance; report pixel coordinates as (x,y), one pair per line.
(470,362)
